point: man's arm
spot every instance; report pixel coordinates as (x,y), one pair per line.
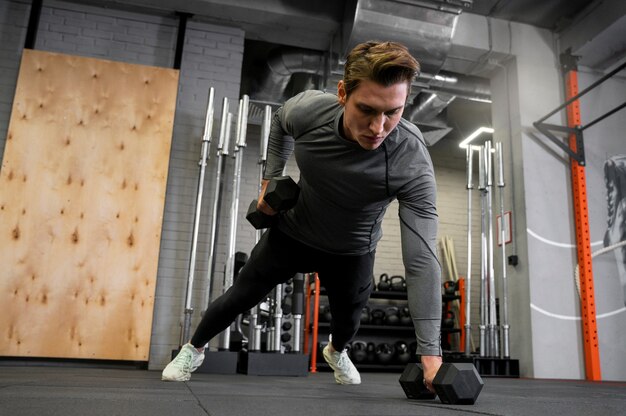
(418,228)
(280,145)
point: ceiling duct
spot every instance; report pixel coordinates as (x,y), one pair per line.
(425,27)
(427,106)
(281,64)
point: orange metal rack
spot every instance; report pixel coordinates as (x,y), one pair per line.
(583,239)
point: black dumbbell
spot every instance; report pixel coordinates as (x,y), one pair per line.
(449,287)
(281,194)
(447,320)
(454,383)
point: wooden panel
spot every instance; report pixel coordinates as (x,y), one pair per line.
(82,191)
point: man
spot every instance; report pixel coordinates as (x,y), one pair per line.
(355,155)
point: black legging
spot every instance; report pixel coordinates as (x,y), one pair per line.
(274,260)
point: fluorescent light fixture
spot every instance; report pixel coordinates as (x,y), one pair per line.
(472,136)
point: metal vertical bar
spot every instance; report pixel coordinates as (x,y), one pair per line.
(468,278)
(222,149)
(254,326)
(206,140)
(297,310)
(583,245)
(278,316)
(506,353)
(492,329)
(483,253)
(316,314)
(240,144)
(307,313)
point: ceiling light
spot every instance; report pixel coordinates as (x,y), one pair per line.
(472,136)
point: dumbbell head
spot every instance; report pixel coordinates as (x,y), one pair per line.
(281,193)
(412,382)
(258,219)
(455,383)
(458,383)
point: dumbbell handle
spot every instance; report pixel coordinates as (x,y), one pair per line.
(263,206)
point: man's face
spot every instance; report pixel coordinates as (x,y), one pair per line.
(371,111)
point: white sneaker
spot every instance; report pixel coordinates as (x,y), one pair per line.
(345,371)
(186,362)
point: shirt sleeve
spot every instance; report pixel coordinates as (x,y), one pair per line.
(418,230)
(280,145)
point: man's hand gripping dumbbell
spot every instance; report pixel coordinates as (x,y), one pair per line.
(279,194)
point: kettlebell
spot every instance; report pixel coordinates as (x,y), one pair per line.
(365,315)
(358,351)
(449,287)
(384,353)
(403,355)
(397,283)
(391,315)
(383,282)
(377,316)
(448,320)
(405,316)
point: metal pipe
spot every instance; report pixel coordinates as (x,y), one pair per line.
(583,92)
(483,253)
(206,140)
(255,328)
(468,277)
(492,328)
(230,261)
(222,149)
(297,310)
(278,316)
(505,302)
(240,144)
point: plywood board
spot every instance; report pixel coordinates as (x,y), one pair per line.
(82,191)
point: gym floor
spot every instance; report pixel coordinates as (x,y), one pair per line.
(62,390)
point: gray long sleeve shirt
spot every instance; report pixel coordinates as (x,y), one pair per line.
(345,190)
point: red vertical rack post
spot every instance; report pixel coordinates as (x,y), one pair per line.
(461,289)
(583,243)
(316,308)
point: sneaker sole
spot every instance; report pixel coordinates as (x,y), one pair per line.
(175,379)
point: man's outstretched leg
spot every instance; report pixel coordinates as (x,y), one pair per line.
(274,260)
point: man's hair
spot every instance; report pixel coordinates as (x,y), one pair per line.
(385,63)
